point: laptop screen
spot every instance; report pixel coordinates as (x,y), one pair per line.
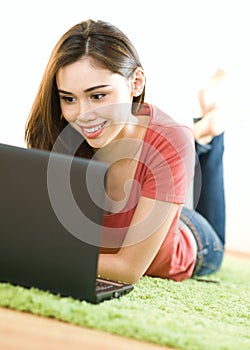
(51,209)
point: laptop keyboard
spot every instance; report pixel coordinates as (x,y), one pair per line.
(101,286)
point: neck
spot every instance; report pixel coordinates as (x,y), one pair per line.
(127,145)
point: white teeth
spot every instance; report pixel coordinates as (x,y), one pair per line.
(93,129)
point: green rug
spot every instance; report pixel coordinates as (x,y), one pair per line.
(187,315)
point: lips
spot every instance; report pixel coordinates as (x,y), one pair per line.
(93,131)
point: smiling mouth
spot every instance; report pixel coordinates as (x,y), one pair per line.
(93,131)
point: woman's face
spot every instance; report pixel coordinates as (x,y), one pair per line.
(95,101)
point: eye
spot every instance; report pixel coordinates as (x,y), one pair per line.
(97,96)
(68,99)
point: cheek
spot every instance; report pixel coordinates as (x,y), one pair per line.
(69,112)
(122,105)
(116,113)
(125,95)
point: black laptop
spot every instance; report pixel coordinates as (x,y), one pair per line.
(51,214)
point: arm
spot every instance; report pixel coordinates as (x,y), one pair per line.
(150,224)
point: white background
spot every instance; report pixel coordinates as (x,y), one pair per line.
(180,43)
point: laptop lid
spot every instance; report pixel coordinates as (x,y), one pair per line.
(51,213)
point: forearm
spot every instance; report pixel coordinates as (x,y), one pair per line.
(144,238)
(120,271)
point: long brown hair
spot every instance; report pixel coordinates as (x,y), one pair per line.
(110,49)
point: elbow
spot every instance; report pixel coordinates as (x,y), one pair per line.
(118,267)
(133,278)
(130,273)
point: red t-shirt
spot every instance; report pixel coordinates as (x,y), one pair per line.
(164,172)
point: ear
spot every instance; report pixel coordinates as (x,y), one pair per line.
(137,82)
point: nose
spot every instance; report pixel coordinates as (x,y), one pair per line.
(83,109)
(86,113)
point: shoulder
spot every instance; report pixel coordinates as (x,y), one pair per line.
(162,128)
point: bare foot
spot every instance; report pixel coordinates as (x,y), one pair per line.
(212,117)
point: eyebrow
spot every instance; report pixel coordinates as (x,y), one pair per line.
(87,90)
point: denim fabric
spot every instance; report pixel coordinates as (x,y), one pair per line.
(207,220)
(210,248)
(209,197)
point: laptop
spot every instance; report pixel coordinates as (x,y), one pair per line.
(51,214)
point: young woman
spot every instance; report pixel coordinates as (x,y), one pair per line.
(91,103)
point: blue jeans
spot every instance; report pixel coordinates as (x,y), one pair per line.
(207,220)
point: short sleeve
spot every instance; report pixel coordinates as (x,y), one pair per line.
(168,158)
